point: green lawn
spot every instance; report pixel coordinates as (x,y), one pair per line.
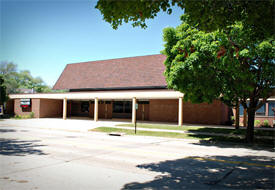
(199,129)
(160,126)
(145,133)
(206,138)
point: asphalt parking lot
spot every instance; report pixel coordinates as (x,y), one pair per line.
(35,157)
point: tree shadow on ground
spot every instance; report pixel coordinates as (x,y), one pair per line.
(219,172)
(7,130)
(14,147)
(234,142)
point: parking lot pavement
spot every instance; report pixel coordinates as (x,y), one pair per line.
(71,124)
(34,157)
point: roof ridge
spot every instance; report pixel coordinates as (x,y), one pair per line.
(115,59)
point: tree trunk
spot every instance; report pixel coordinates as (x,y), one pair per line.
(244,117)
(250,126)
(237,116)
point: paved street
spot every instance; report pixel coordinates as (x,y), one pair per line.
(45,158)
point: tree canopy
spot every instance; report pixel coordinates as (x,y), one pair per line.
(222,50)
(231,65)
(14,80)
(3,95)
(208,15)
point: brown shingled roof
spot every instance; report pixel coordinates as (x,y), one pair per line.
(130,72)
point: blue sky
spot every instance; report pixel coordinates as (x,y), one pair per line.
(44,36)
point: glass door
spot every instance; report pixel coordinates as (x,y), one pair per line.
(122,109)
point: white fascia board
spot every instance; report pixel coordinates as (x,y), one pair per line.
(139,94)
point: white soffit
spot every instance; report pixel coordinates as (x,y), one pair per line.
(139,94)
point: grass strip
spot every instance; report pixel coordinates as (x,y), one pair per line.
(145,133)
(161,126)
(200,129)
(203,138)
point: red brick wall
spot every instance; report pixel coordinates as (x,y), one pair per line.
(226,113)
(163,110)
(35,107)
(105,111)
(101,111)
(156,110)
(10,106)
(51,108)
(91,109)
(167,110)
(143,109)
(203,113)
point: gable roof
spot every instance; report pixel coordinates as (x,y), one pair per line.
(124,73)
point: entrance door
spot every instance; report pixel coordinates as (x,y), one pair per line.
(122,109)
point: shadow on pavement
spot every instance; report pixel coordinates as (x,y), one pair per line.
(13,147)
(218,172)
(231,142)
(227,144)
(7,130)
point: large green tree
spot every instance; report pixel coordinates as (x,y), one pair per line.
(15,79)
(26,80)
(208,14)
(10,75)
(223,50)
(3,95)
(231,65)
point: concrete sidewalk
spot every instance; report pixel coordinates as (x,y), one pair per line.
(84,125)
(75,125)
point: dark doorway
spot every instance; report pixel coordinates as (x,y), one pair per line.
(80,108)
(122,109)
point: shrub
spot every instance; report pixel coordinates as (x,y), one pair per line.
(31,115)
(17,117)
(265,123)
(25,116)
(257,123)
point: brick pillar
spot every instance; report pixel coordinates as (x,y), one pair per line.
(266,109)
(244,118)
(180,112)
(237,116)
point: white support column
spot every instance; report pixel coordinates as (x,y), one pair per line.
(65,108)
(180,111)
(134,110)
(96,110)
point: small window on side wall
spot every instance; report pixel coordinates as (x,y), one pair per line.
(241,110)
(261,111)
(271,108)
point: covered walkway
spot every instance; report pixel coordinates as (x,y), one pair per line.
(95,97)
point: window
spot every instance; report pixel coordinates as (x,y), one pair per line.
(122,107)
(127,107)
(241,110)
(118,107)
(84,106)
(261,111)
(271,107)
